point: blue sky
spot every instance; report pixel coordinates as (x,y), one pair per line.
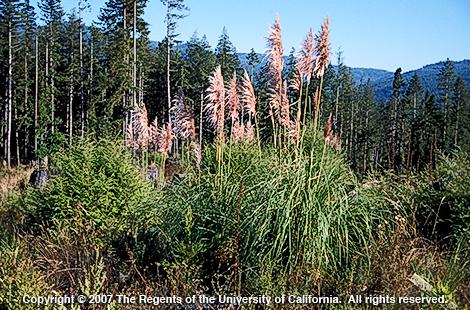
(371,33)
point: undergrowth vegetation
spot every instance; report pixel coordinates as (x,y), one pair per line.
(259,223)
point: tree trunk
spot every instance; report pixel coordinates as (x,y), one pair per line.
(366,146)
(126,61)
(17,138)
(52,79)
(168,59)
(10,95)
(36,97)
(70,110)
(90,86)
(200,119)
(25,102)
(82,99)
(457,121)
(134,63)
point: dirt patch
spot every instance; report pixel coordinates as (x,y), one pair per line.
(14,178)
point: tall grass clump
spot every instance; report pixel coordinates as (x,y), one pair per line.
(270,223)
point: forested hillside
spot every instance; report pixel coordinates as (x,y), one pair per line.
(170,169)
(65,80)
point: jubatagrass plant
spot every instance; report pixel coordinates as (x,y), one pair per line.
(302,213)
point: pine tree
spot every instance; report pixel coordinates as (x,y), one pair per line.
(25,83)
(9,19)
(461,114)
(414,97)
(117,19)
(81,7)
(174,12)
(226,55)
(396,143)
(201,61)
(366,137)
(430,120)
(52,16)
(253,60)
(446,80)
(72,70)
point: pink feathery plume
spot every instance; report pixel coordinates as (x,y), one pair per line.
(137,134)
(294,130)
(330,137)
(275,101)
(296,81)
(165,139)
(238,131)
(248,94)
(183,118)
(275,64)
(233,101)
(315,100)
(249,132)
(322,49)
(305,58)
(153,134)
(215,103)
(275,49)
(141,127)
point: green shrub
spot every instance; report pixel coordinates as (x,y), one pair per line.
(95,181)
(444,198)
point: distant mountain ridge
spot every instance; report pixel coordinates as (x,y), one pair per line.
(428,75)
(382,80)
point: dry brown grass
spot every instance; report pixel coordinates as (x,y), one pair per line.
(13,178)
(402,254)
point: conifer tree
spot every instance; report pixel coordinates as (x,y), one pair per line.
(253,60)
(72,71)
(226,55)
(174,11)
(52,16)
(446,80)
(461,114)
(395,150)
(414,97)
(24,79)
(9,19)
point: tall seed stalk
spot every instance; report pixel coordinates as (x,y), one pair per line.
(215,109)
(323,53)
(276,65)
